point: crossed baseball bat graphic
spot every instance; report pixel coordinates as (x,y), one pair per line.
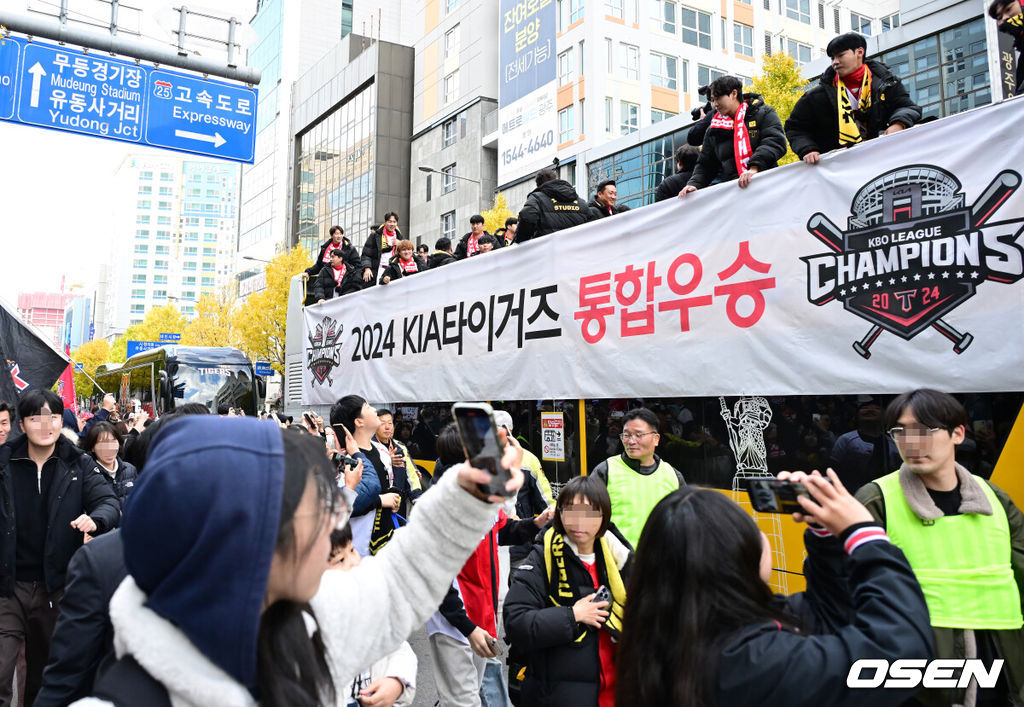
(998,191)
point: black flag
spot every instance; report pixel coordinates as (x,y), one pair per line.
(26,359)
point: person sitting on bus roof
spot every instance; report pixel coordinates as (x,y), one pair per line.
(487,243)
(604,203)
(337,240)
(745,137)
(336,278)
(380,247)
(686,160)
(442,254)
(872,101)
(964,539)
(403,264)
(470,243)
(554,205)
(1011,21)
(507,235)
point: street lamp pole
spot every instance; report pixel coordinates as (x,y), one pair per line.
(424,168)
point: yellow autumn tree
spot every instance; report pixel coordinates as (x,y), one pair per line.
(213,324)
(780,85)
(160,320)
(494,217)
(90,354)
(260,321)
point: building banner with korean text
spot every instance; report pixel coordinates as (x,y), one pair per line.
(886,267)
(527,114)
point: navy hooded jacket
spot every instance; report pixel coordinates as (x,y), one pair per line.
(201,530)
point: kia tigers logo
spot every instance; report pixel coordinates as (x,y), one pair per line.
(324,352)
(914,251)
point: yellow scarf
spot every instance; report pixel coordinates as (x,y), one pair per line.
(849,131)
(554,561)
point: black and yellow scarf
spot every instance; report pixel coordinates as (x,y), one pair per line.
(563,595)
(849,130)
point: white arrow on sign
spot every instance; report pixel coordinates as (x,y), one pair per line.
(216,139)
(38,72)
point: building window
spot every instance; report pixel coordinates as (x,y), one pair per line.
(191,251)
(859,23)
(210,237)
(448,225)
(890,22)
(191,236)
(165,191)
(663,71)
(448,177)
(613,8)
(159,279)
(163,220)
(160,264)
(207,282)
(159,294)
(566,124)
(140,264)
(800,53)
(767,43)
(163,235)
(821,15)
(138,309)
(565,67)
(145,175)
(189,280)
(835,18)
(659,115)
(163,250)
(696,28)
(142,248)
(451,86)
(583,113)
(451,43)
(742,39)
(705,75)
(146,189)
(630,122)
(138,294)
(209,252)
(575,12)
(210,223)
(665,15)
(166,177)
(630,61)
(189,265)
(448,133)
(799,10)
(450,5)
(607,115)
(188,295)
(143,204)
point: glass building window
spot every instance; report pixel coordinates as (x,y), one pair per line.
(630,61)
(890,22)
(145,175)
(448,225)
(630,118)
(743,39)
(138,309)
(696,27)
(140,264)
(566,124)
(166,191)
(613,8)
(451,87)
(159,294)
(451,43)
(799,10)
(450,5)
(163,250)
(143,204)
(159,279)
(575,11)
(705,75)
(659,115)
(859,23)
(565,69)
(448,183)
(800,53)
(145,189)
(138,294)
(663,71)
(665,15)
(448,133)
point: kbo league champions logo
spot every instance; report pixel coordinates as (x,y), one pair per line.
(324,352)
(913,252)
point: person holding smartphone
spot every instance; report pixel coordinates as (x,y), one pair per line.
(555,618)
(702,626)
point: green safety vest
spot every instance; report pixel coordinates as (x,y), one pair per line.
(962,561)
(635,495)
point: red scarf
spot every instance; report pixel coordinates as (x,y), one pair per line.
(854,81)
(473,245)
(338,273)
(331,247)
(741,147)
(408,266)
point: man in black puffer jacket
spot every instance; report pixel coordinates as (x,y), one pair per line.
(442,254)
(760,135)
(552,206)
(873,99)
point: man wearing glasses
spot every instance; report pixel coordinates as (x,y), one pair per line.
(54,495)
(964,539)
(637,479)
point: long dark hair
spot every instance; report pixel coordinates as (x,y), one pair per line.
(293,668)
(695,580)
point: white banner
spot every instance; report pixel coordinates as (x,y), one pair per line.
(889,266)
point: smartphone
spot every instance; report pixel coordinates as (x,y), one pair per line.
(774,496)
(495,647)
(603,594)
(482,445)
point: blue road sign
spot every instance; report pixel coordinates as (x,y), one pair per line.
(79,366)
(135,347)
(263,369)
(166,338)
(64,88)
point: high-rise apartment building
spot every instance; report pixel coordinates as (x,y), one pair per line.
(177,243)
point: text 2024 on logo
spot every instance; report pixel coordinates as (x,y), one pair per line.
(914,251)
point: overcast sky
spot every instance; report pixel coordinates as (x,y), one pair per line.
(56,196)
